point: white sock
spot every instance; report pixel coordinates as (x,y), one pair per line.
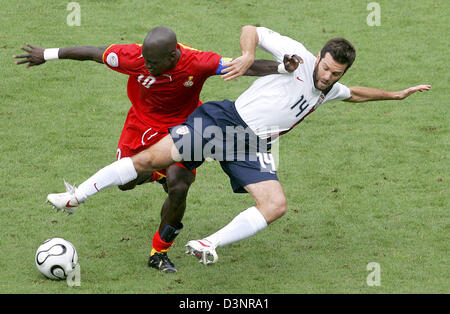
(244,225)
(118,173)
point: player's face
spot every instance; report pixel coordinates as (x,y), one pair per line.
(157,64)
(327,71)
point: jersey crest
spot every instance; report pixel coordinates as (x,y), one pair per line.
(189,82)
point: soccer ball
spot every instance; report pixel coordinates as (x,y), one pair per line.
(56,258)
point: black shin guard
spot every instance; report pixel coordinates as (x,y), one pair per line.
(170,233)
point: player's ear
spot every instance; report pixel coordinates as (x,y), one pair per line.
(173,55)
(317,59)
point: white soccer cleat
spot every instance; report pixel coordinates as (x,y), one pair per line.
(67,202)
(203,250)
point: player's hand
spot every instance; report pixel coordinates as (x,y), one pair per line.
(291,62)
(237,67)
(406,92)
(34,56)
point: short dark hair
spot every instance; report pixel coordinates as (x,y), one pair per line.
(341,50)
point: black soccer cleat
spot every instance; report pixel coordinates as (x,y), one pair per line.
(162,262)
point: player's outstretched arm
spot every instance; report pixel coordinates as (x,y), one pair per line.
(248,42)
(362,94)
(259,68)
(36,55)
(266,67)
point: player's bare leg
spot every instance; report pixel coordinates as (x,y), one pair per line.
(159,156)
(172,212)
(131,185)
(270,199)
(270,205)
(157,176)
(179,181)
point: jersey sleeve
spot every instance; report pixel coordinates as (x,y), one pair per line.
(210,63)
(278,45)
(338,92)
(125,59)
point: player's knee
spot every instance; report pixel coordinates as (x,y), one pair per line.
(144,162)
(178,181)
(276,207)
(280,206)
(177,189)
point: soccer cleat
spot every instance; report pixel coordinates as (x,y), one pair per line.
(203,250)
(67,202)
(162,262)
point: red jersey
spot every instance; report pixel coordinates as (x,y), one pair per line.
(166,100)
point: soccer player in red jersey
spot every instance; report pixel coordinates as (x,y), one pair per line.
(164,85)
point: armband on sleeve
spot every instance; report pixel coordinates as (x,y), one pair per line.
(221,66)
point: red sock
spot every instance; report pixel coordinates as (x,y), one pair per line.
(160,245)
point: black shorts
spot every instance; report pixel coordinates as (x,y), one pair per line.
(215,130)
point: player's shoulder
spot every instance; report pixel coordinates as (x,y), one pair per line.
(125,48)
(195,58)
(118,54)
(193,54)
(188,48)
(339,91)
(307,56)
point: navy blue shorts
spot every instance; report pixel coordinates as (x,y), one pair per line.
(216,131)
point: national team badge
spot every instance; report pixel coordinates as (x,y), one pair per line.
(113,60)
(189,82)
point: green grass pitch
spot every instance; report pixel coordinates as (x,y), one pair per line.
(365,182)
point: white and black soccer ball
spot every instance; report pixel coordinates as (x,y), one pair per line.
(56,258)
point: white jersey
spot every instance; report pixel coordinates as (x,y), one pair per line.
(274,104)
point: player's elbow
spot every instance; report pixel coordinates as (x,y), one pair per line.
(248,29)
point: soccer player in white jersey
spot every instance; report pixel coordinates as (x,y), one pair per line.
(272,106)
